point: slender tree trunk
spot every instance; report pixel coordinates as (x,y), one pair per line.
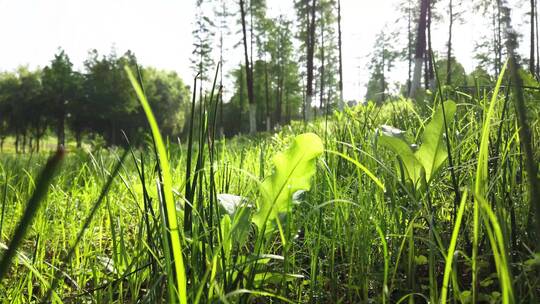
(409,51)
(61,125)
(420,48)
(221,127)
(251,33)
(288,104)
(341,101)
(499,46)
(321,93)
(383,78)
(304,118)
(310,53)
(249,76)
(267,97)
(78,138)
(532,64)
(279,100)
(449,45)
(24,142)
(426,70)
(17,141)
(431,69)
(536,40)
(242,100)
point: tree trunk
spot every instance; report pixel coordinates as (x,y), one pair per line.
(17,136)
(279,88)
(321,95)
(536,36)
(310,53)
(426,70)
(242,101)
(409,49)
(341,101)
(78,138)
(420,48)
(61,126)
(383,78)
(267,97)
(304,101)
(249,76)
(431,69)
(532,64)
(499,47)
(288,105)
(24,142)
(252,118)
(449,45)
(221,127)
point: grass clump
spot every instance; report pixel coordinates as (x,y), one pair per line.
(377,220)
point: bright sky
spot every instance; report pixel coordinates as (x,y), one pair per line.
(159,33)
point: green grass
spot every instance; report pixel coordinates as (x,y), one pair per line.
(110,229)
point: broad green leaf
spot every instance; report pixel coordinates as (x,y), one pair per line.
(237,216)
(226,230)
(412,166)
(241,224)
(432,153)
(293,170)
(230,202)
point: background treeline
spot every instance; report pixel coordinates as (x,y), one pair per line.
(97,101)
(288,67)
(292,64)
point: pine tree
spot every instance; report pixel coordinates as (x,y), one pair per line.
(204,30)
(383,59)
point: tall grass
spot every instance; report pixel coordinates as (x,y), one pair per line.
(116,231)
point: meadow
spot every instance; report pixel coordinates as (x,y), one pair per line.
(405,202)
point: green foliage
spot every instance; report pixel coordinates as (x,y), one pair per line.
(382,62)
(97,102)
(384,229)
(293,171)
(169,99)
(413,167)
(432,152)
(458,76)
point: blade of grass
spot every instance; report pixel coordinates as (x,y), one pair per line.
(482,180)
(32,207)
(452,248)
(172,221)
